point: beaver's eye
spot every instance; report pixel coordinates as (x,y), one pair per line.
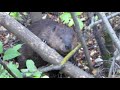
(60,37)
(54,28)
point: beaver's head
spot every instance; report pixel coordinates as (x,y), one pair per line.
(63,39)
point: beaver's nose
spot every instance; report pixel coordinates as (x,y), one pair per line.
(68,47)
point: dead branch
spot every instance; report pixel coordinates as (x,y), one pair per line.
(82,40)
(111,67)
(110,30)
(48,54)
(99,21)
(51,67)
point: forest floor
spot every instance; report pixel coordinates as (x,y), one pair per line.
(101,71)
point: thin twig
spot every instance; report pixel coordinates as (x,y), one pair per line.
(99,21)
(111,68)
(50,68)
(70,54)
(5,67)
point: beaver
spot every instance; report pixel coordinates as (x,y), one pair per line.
(58,36)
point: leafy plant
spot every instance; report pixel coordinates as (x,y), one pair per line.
(4,73)
(67,19)
(12,52)
(16,15)
(14,69)
(8,55)
(31,66)
(1,47)
(32,71)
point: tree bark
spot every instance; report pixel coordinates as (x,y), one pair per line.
(110,30)
(104,52)
(82,40)
(48,54)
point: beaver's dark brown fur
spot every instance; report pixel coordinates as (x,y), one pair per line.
(57,36)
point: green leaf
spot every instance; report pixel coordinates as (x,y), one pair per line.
(96,17)
(31,66)
(71,23)
(24,70)
(17,47)
(14,69)
(37,74)
(80,24)
(78,13)
(28,74)
(16,15)
(12,52)
(1,67)
(65,17)
(1,47)
(2,71)
(3,74)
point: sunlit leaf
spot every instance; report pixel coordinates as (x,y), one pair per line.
(28,74)
(78,13)
(17,47)
(16,15)
(71,23)
(31,66)
(37,74)
(24,70)
(1,47)
(65,17)
(14,69)
(80,24)
(96,18)
(12,52)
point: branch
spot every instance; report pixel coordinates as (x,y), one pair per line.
(110,30)
(111,68)
(82,40)
(47,54)
(5,67)
(69,55)
(51,67)
(99,21)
